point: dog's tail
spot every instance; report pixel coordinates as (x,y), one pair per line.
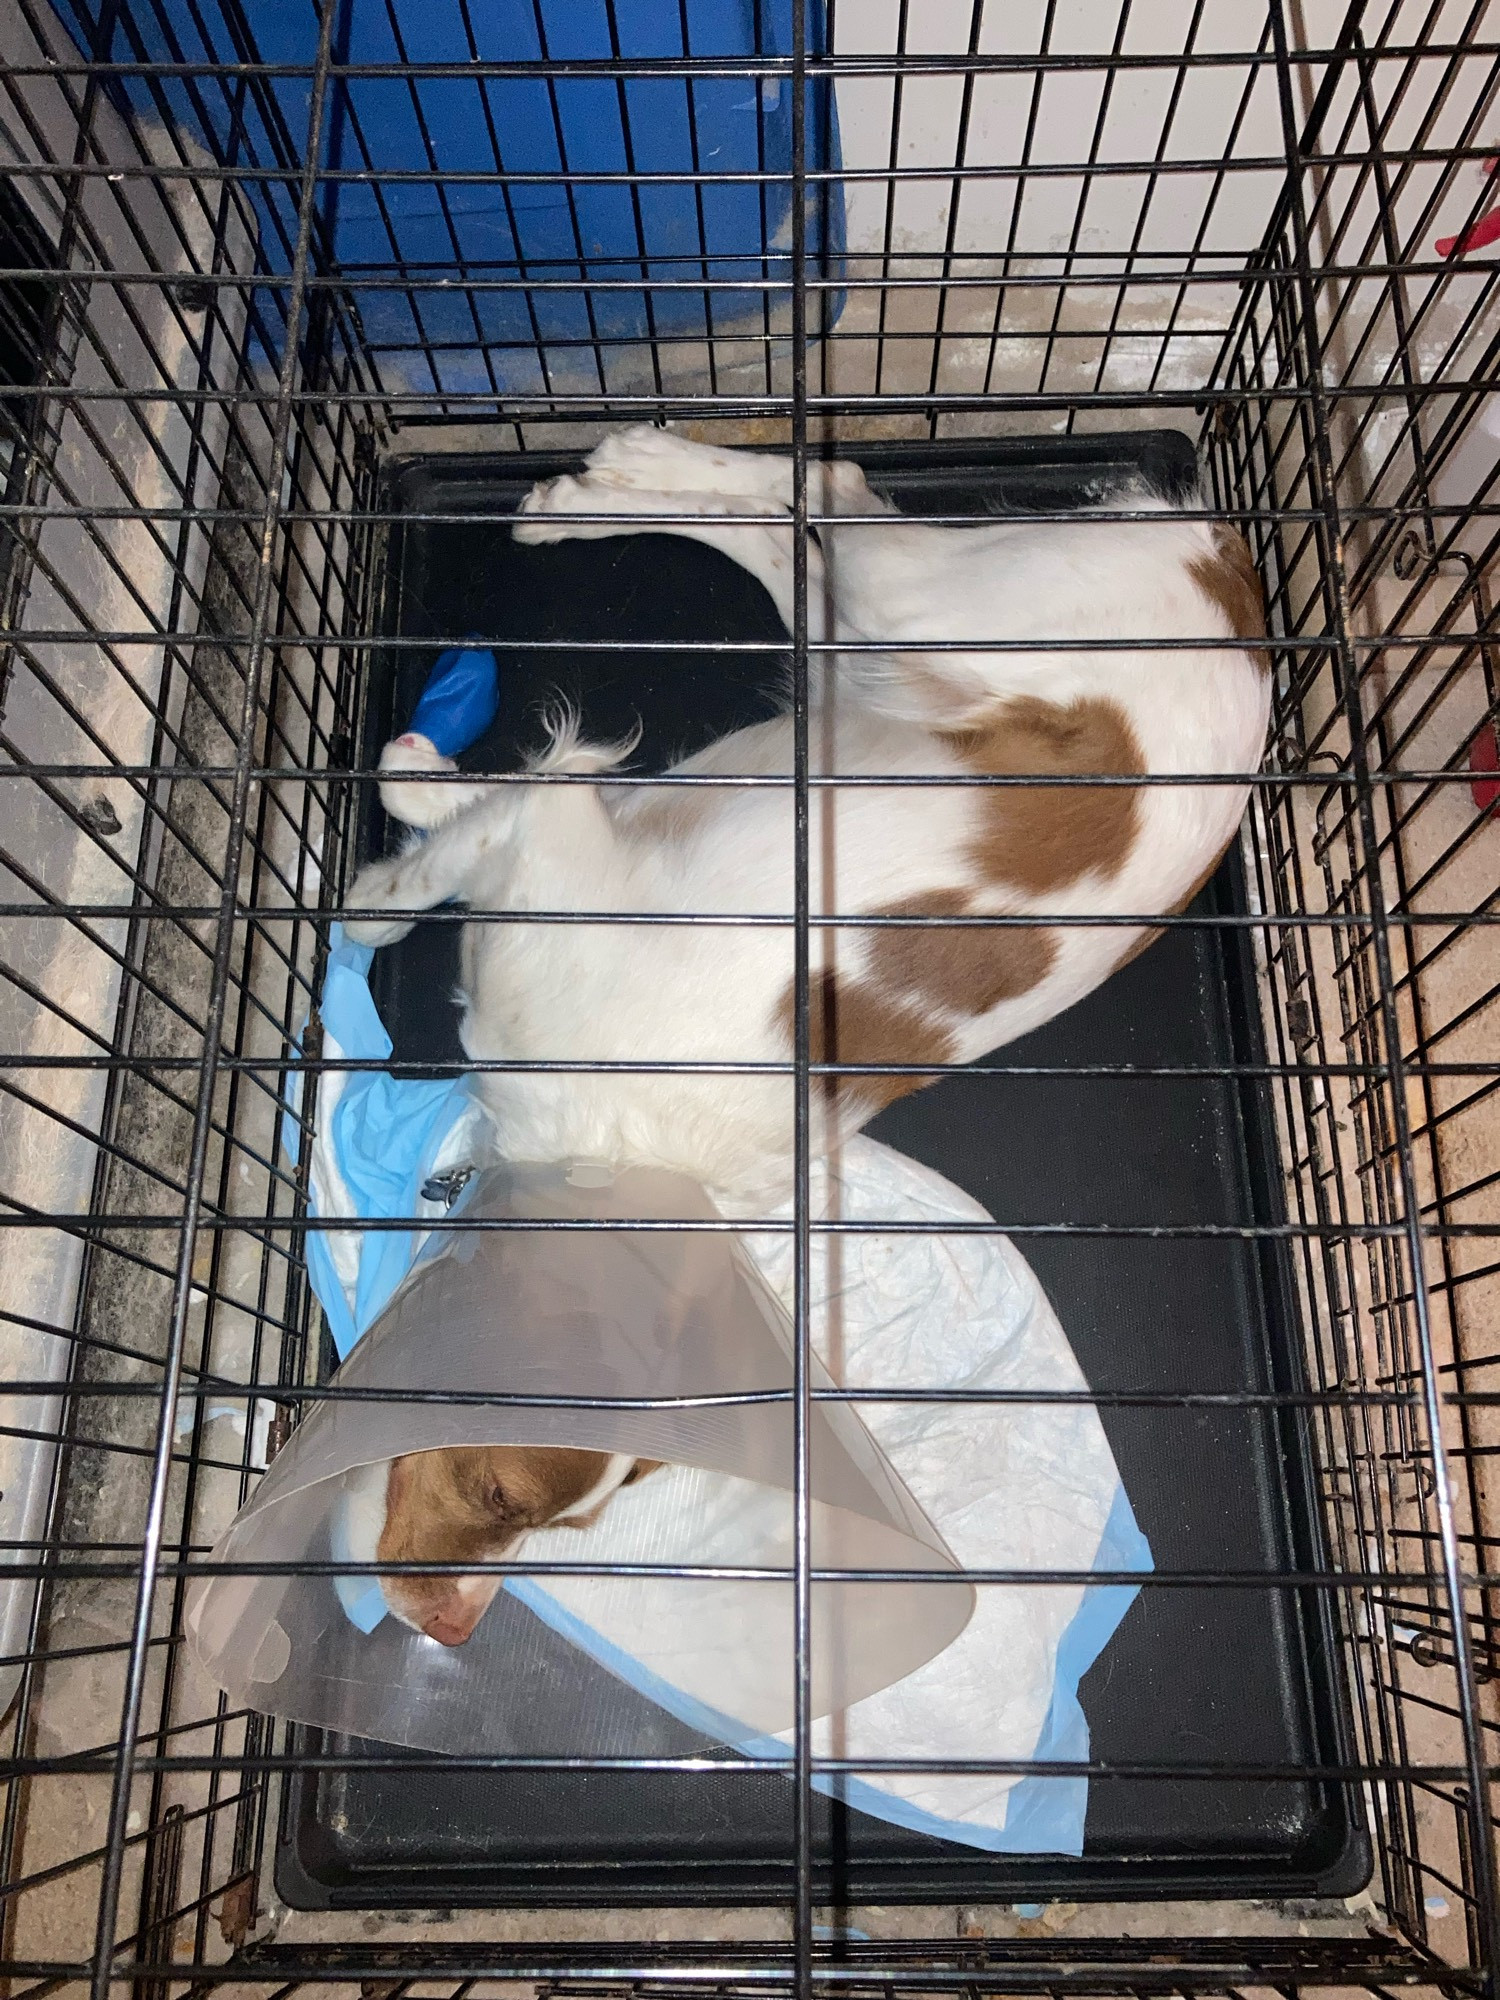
(566,750)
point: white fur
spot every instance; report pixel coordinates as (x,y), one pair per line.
(711,992)
(364,1510)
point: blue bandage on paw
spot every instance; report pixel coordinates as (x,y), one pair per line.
(460,700)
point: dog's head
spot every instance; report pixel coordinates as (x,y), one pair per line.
(476,1504)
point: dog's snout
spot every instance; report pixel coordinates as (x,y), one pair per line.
(453,1622)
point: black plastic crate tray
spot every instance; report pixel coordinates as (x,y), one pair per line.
(1239,1676)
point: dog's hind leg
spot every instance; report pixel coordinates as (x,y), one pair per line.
(550,510)
(660,461)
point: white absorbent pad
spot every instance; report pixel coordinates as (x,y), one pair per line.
(1012,1486)
(1008,1486)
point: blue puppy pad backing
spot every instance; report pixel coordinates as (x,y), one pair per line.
(378,1140)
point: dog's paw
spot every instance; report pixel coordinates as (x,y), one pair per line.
(537,520)
(372,886)
(643,455)
(414,803)
(375,935)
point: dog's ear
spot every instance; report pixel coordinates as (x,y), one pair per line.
(641,1468)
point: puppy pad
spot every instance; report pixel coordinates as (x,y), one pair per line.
(900,1671)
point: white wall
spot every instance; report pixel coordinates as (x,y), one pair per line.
(1108,337)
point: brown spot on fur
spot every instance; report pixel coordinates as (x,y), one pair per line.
(1039,839)
(891,1013)
(1229,580)
(966,970)
(854,1021)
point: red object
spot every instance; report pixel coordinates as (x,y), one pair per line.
(1484,762)
(1478,234)
(1485,230)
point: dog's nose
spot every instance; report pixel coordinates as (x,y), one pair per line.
(450,1628)
(449,1631)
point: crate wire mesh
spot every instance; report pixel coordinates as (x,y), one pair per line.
(223,313)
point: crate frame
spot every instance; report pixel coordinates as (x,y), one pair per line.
(273,614)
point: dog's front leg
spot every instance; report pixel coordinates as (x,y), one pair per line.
(407,763)
(440,869)
(493,854)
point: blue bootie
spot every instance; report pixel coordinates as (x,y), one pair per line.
(460,700)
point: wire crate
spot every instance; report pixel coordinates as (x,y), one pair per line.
(286,286)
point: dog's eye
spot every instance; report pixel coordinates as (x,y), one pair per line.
(497,1499)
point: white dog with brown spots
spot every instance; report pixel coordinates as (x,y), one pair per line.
(1092,649)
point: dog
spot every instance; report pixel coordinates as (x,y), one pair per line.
(471,1503)
(1080,661)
